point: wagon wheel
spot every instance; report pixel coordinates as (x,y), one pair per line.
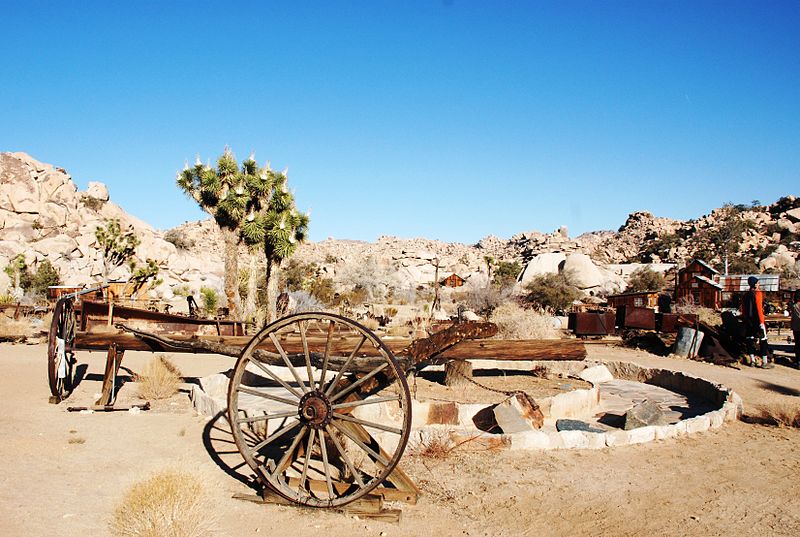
(320,428)
(60,350)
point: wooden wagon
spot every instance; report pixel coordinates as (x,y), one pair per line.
(318,405)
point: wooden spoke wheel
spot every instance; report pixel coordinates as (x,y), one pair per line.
(60,350)
(319,408)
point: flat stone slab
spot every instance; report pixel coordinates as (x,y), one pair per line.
(576,425)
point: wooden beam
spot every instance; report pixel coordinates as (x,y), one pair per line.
(530,349)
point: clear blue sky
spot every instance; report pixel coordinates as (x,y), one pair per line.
(450,120)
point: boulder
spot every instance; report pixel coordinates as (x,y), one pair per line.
(582,271)
(518,414)
(793,214)
(643,414)
(98,191)
(596,374)
(548,263)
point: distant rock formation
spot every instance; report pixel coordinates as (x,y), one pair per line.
(44,216)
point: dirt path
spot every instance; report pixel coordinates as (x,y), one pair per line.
(738,480)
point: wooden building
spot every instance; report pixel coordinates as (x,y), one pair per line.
(454,280)
(641,299)
(696,285)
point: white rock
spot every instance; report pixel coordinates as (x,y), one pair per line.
(596,374)
(97,191)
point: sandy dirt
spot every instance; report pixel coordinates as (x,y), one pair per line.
(63,473)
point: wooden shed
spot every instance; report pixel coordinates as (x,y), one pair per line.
(696,285)
(640,299)
(454,280)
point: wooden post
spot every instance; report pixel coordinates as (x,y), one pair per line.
(113,361)
(457,373)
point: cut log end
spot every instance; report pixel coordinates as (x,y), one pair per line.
(457,373)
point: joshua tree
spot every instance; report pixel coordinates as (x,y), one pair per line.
(273,221)
(116,246)
(250,204)
(223,193)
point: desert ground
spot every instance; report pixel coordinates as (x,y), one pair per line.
(63,473)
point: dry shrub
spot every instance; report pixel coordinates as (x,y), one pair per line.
(399,330)
(159,379)
(168,504)
(779,415)
(370,323)
(436,446)
(515,322)
(706,315)
(15,328)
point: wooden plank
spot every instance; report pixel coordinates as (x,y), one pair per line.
(370,506)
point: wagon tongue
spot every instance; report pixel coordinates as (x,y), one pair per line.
(421,352)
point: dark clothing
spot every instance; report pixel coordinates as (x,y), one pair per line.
(753,317)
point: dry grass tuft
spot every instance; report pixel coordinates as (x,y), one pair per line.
(399,330)
(436,446)
(76,440)
(159,379)
(370,323)
(515,322)
(169,504)
(15,328)
(779,415)
(706,315)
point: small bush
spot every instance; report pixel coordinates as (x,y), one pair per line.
(645,279)
(179,239)
(210,299)
(370,323)
(705,315)
(505,273)
(159,379)
(515,322)
(303,302)
(484,300)
(94,204)
(7,298)
(779,415)
(181,290)
(15,328)
(551,291)
(436,446)
(169,504)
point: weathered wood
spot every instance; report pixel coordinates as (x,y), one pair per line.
(499,349)
(457,373)
(422,350)
(370,506)
(524,349)
(113,361)
(108,408)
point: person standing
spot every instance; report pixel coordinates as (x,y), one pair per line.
(794,311)
(755,330)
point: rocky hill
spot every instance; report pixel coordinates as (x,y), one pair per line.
(44,216)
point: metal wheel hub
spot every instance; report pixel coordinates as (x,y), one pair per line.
(315,410)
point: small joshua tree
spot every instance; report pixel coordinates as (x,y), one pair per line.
(116,246)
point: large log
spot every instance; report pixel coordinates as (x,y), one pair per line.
(437,349)
(524,349)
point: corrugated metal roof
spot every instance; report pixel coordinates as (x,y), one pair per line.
(738,282)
